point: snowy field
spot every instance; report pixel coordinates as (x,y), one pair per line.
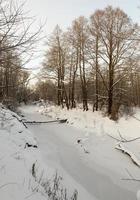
(87,152)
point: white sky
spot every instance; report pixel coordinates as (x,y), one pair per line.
(63,12)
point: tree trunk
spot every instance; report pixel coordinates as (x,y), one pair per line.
(96,83)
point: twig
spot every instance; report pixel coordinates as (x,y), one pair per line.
(123,140)
(133,139)
(114,138)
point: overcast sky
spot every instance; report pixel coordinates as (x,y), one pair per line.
(63,12)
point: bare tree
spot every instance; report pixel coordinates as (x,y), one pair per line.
(82,37)
(16,41)
(95,23)
(116,32)
(54,65)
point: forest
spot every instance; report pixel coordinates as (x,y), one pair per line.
(95,61)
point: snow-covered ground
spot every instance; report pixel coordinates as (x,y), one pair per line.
(23,174)
(126,131)
(128,126)
(84,151)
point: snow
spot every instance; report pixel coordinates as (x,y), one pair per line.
(83,152)
(58,153)
(138,195)
(128,126)
(131,149)
(23,174)
(16,181)
(94,122)
(93,165)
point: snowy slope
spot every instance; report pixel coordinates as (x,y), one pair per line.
(23,175)
(17,159)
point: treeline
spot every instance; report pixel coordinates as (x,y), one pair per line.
(16,45)
(95,61)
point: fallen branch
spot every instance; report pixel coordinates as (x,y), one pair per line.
(127,152)
(46,122)
(122,139)
(20,120)
(133,139)
(120,147)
